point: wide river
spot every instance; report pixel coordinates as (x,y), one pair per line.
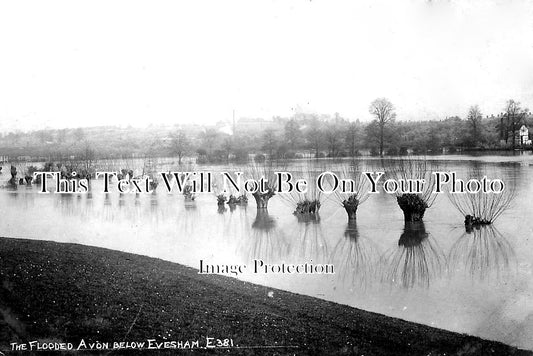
(480,283)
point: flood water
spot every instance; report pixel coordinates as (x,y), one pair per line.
(480,283)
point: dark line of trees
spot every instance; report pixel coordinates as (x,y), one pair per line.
(302,134)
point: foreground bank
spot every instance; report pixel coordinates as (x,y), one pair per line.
(67,295)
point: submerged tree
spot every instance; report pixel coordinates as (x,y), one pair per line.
(13,181)
(413,198)
(309,202)
(352,194)
(417,259)
(262,172)
(482,208)
(228,193)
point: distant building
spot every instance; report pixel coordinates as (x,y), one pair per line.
(522,137)
(224,127)
(256,125)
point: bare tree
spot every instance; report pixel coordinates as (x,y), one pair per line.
(383,111)
(180,144)
(515,116)
(315,134)
(474,121)
(269,142)
(292,133)
(333,139)
(352,137)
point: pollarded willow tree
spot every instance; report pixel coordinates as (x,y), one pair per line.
(383,111)
(482,208)
(228,193)
(263,171)
(306,204)
(355,190)
(413,202)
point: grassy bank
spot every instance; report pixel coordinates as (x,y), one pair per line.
(67,292)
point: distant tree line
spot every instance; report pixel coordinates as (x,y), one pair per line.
(300,135)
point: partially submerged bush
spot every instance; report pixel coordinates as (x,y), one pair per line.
(238,200)
(228,193)
(221,199)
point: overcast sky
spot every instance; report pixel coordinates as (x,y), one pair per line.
(72,63)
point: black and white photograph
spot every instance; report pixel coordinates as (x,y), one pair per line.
(270,177)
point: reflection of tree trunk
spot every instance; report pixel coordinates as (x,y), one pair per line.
(355,257)
(266,242)
(263,221)
(413,234)
(416,260)
(311,242)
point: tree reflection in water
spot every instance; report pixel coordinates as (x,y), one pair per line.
(27,199)
(266,241)
(355,258)
(311,242)
(417,260)
(482,251)
(187,219)
(64,202)
(235,225)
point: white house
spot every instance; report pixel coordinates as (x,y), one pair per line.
(523,136)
